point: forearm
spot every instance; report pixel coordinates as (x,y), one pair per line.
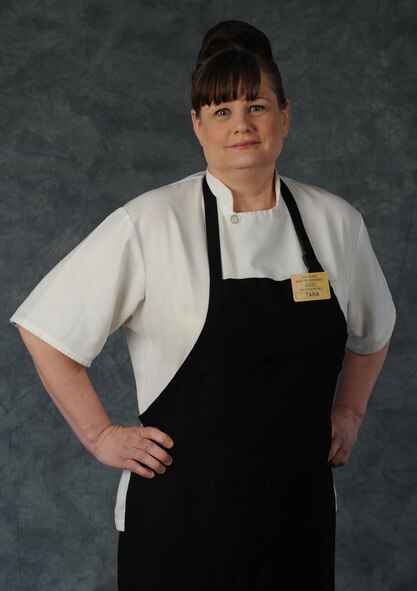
(140,449)
(69,386)
(357,380)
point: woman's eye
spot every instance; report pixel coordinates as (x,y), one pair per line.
(257,108)
(222,112)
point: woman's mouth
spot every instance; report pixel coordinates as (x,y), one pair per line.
(243,145)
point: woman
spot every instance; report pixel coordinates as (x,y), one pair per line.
(237,338)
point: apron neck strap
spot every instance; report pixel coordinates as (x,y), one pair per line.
(213,242)
(309,256)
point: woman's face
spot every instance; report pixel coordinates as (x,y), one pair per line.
(242,135)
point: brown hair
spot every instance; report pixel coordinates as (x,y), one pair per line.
(229,64)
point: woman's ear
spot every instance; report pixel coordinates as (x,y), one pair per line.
(196,124)
(286,117)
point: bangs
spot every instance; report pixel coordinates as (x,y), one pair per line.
(226,77)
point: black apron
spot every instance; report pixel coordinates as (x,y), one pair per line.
(248,503)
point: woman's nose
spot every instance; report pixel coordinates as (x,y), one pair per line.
(242,122)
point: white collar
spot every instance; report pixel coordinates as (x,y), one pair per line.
(224,194)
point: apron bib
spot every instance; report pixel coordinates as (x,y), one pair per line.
(248,503)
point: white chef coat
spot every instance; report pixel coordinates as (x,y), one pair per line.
(145,268)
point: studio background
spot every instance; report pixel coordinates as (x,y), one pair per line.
(94,111)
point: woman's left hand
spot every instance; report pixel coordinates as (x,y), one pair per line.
(345,427)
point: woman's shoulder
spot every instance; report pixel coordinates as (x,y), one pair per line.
(168,199)
(323,202)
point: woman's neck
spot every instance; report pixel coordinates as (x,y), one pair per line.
(251,192)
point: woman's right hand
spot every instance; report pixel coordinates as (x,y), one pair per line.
(135,449)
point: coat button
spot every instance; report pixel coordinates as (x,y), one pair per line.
(235,219)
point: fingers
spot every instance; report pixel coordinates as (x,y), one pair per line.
(139,469)
(156,435)
(339,453)
(149,453)
(334,447)
(149,458)
(345,426)
(147,443)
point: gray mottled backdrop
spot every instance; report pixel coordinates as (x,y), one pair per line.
(94,111)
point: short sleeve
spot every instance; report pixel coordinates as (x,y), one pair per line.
(95,289)
(371,311)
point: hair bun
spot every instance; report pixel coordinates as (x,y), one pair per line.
(236,35)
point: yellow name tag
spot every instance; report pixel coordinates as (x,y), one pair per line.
(310,286)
